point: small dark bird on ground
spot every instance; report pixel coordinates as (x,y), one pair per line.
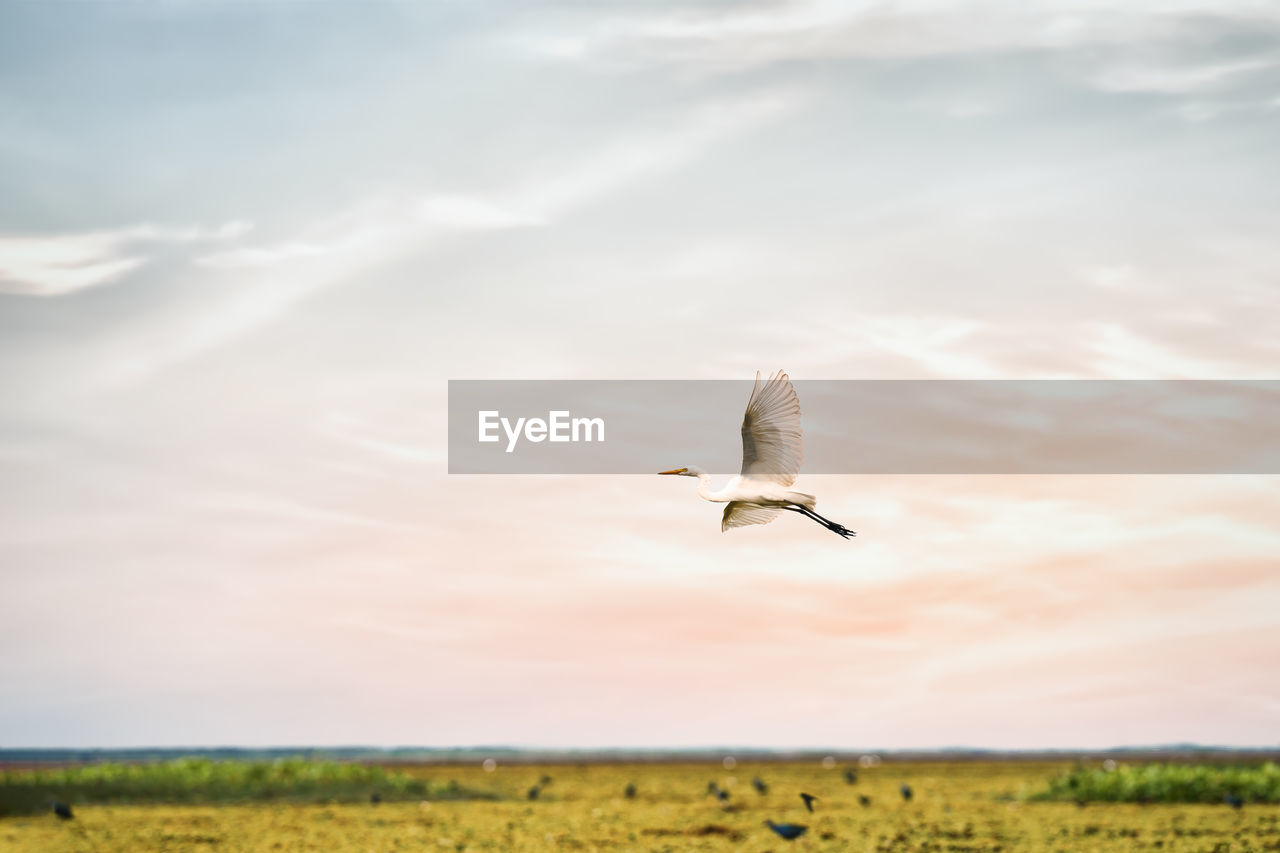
(906,791)
(808,801)
(375,798)
(722,795)
(851,777)
(630,791)
(534,792)
(62,810)
(1234,801)
(864,800)
(787,831)
(544,781)
(760,786)
(713,788)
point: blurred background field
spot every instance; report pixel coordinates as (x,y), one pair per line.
(959,805)
(203,781)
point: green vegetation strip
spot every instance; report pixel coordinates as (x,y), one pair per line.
(199,780)
(1168,783)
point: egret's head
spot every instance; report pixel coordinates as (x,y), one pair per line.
(684,472)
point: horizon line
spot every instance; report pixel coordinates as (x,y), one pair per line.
(709,750)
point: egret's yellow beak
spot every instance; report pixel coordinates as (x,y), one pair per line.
(674,471)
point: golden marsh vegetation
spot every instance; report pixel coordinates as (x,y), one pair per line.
(958,807)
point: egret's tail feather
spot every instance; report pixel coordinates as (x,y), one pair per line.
(802,499)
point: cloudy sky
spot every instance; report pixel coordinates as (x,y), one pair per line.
(243,247)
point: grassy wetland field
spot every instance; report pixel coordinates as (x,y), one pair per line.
(955,806)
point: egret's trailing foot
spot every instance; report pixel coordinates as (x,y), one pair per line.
(834,526)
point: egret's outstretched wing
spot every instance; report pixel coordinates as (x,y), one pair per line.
(739,514)
(771,445)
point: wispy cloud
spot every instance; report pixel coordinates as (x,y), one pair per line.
(375,439)
(276,509)
(1206,109)
(1181,79)
(755,34)
(379,230)
(57,264)
(1118,352)
(398,224)
(371,223)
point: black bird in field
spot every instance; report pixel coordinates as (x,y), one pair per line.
(906,791)
(1234,801)
(787,831)
(864,800)
(534,792)
(544,781)
(62,810)
(808,801)
(760,786)
(630,791)
(851,776)
(722,795)
(375,798)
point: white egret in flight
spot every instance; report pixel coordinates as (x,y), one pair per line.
(771,456)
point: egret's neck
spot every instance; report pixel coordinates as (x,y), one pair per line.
(704,488)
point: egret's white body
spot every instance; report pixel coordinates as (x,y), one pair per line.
(772,451)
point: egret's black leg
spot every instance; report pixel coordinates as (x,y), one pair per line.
(808,513)
(833,526)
